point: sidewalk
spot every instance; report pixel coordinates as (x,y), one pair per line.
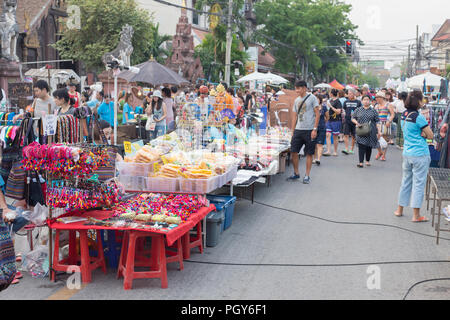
(287,255)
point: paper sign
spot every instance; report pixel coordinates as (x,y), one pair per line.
(132,148)
(50,121)
(127,147)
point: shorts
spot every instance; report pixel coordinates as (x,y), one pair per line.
(321,136)
(303,138)
(334,127)
(349,129)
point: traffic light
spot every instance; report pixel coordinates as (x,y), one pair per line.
(349,47)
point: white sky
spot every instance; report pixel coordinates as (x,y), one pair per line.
(381,21)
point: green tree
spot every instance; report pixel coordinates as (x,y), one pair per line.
(101,23)
(309,28)
(156,50)
(212,54)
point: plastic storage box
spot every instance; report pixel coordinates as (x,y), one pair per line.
(134,169)
(134,183)
(214,226)
(225,204)
(161,184)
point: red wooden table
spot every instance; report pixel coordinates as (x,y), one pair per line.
(177,237)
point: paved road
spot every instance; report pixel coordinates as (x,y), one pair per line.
(314,251)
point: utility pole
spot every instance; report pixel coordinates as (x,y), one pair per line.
(229,42)
(417,49)
(408,73)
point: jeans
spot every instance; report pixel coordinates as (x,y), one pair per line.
(415,170)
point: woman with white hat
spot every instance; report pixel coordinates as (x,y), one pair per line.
(157,110)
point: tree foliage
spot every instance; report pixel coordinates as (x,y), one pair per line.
(308,27)
(212,54)
(101,23)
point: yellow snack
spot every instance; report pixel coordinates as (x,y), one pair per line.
(159,218)
(173,220)
(143,217)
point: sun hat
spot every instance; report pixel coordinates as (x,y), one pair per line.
(157,93)
(381,94)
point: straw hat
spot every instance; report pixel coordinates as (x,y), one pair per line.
(381,94)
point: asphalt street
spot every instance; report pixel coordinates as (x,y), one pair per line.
(334,239)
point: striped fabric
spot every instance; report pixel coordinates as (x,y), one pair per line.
(7,257)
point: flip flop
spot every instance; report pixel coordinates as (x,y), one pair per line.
(398,215)
(368,164)
(326,155)
(421,219)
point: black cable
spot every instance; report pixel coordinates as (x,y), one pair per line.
(423,281)
(348,223)
(315,265)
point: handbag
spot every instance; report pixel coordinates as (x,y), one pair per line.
(34,192)
(150,125)
(363,130)
(15,185)
(7,257)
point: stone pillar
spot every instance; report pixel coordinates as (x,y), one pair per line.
(9,72)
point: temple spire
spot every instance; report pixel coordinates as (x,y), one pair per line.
(184,10)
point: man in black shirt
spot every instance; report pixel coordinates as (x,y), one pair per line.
(334,124)
(349,127)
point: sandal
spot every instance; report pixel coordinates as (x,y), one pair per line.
(378,156)
(368,164)
(18,257)
(421,219)
(326,155)
(383,158)
(397,214)
(15,281)
(360,165)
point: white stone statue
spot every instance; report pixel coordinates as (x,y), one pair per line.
(124,49)
(9,30)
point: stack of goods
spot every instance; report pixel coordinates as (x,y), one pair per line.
(64,161)
(146,154)
(172,209)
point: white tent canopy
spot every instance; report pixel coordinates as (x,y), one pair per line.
(322,86)
(263,77)
(57,76)
(431,80)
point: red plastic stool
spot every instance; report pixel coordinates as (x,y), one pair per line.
(157,261)
(175,253)
(87,263)
(190,242)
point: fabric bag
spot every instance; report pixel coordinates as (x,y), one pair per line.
(34,193)
(15,187)
(7,257)
(150,125)
(11,154)
(363,130)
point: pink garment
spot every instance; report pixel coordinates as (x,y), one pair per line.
(169,110)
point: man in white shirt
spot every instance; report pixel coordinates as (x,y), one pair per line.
(42,102)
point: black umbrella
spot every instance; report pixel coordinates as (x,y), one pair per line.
(153,73)
(444,88)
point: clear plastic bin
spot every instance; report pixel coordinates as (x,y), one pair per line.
(134,183)
(134,169)
(161,184)
(199,185)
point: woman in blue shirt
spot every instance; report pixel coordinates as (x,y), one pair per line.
(106,110)
(416,156)
(127,109)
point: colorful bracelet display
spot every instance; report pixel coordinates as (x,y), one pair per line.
(91,195)
(63,160)
(172,208)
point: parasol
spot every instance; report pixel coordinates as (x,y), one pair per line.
(153,73)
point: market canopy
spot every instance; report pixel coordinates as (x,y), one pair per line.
(263,77)
(276,79)
(153,73)
(430,79)
(337,85)
(322,86)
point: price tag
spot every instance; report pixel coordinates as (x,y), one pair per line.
(127,146)
(50,121)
